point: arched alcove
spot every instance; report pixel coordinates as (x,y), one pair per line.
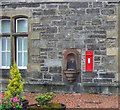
(71,63)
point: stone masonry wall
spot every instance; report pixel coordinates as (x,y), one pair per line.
(89,26)
(85,26)
(58,0)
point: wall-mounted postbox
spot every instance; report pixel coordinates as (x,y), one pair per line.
(89,60)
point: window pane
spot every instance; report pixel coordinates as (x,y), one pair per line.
(5,51)
(5,26)
(8,58)
(8,43)
(0,26)
(22,54)
(3,59)
(22,25)
(20,44)
(20,59)
(25,43)
(25,59)
(3,43)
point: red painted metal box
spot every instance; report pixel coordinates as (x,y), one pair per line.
(89,60)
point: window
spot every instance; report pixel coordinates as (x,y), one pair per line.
(5,52)
(5,26)
(19,32)
(22,48)
(21,42)
(21,25)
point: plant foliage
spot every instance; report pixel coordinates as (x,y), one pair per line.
(43,99)
(15,86)
(10,104)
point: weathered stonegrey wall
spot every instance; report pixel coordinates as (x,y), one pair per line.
(86,26)
(54,26)
(119,44)
(59,0)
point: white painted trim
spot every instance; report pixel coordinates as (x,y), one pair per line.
(22,67)
(6,50)
(5,67)
(0,27)
(17,51)
(22,51)
(18,20)
(0,53)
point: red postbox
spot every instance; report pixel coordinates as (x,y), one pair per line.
(89,60)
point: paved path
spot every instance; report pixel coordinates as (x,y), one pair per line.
(81,100)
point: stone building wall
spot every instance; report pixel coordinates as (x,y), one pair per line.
(54,26)
(59,1)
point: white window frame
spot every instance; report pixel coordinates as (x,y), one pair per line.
(0,54)
(1,26)
(21,67)
(17,23)
(4,67)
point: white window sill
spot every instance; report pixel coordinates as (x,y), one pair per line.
(9,68)
(22,68)
(5,67)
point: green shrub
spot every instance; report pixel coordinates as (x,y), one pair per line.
(15,86)
(43,99)
(23,98)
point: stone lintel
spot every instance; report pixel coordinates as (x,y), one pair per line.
(16,12)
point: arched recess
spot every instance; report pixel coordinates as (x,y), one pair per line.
(71,64)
